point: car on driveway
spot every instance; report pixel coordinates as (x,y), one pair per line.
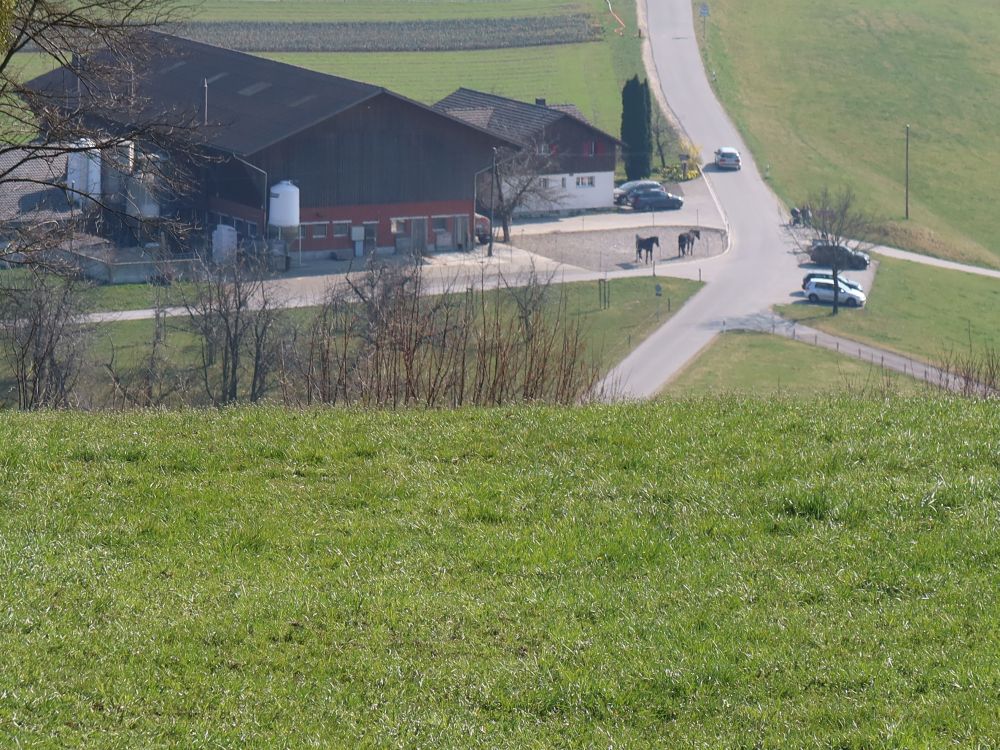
(837,255)
(828,275)
(821,290)
(656,200)
(727,158)
(623,193)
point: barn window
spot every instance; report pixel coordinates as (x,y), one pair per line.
(341,229)
(319,231)
(440,224)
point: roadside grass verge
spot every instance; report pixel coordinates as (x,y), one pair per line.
(919,310)
(822,90)
(762,365)
(708,572)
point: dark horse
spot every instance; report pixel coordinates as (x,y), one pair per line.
(686,240)
(645,245)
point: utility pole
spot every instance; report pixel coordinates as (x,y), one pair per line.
(907,180)
(493,189)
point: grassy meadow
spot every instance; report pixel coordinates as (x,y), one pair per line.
(916,309)
(701,573)
(822,90)
(588,75)
(762,365)
(581,74)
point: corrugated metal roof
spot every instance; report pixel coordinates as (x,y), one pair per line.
(253,102)
(28,192)
(511,118)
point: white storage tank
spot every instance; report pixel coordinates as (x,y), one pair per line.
(284,205)
(223,243)
(83,171)
(142,201)
(117,163)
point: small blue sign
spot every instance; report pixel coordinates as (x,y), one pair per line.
(704,10)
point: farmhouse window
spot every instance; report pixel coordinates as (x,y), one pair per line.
(591,148)
(544,183)
(543,148)
(587,181)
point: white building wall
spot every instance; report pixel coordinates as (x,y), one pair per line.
(575,192)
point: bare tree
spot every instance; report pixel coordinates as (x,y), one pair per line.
(663,135)
(234,316)
(837,226)
(43,338)
(85,106)
(519,181)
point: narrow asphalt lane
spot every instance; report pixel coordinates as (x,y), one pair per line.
(759,270)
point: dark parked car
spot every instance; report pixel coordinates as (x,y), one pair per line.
(837,255)
(653,201)
(623,193)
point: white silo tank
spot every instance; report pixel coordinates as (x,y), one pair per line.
(141,201)
(223,243)
(83,171)
(117,163)
(284,205)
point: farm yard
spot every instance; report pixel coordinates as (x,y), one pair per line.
(613,250)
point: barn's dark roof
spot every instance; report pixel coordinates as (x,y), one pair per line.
(29,179)
(253,102)
(519,121)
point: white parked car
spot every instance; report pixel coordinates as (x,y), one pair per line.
(828,276)
(727,158)
(821,290)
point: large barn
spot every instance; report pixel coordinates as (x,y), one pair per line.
(373,169)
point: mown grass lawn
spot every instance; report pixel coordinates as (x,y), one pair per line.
(703,573)
(822,89)
(917,309)
(759,364)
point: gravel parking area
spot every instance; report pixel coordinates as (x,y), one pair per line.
(610,250)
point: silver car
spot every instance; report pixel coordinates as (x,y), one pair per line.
(821,290)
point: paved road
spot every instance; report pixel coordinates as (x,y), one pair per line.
(756,272)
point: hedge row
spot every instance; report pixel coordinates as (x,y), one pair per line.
(395,36)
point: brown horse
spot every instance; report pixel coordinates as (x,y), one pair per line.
(686,240)
(645,245)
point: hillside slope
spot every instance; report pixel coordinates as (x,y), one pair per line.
(699,573)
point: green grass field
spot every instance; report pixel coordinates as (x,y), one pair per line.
(582,74)
(823,89)
(919,310)
(758,364)
(705,573)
